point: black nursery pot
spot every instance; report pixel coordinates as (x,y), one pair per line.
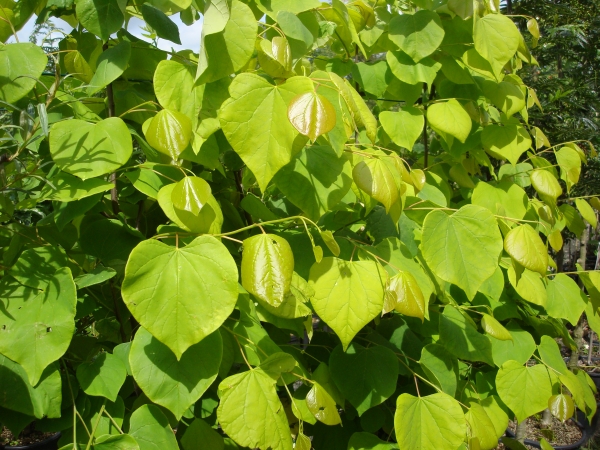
(49,444)
(587,432)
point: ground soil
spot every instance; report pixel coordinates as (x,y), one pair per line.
(560,433)
(25,438)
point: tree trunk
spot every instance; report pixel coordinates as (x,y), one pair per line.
(585,237)
(578,338)
(546,418)
(521,431)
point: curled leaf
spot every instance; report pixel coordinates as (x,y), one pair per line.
(312,114)
(525,246)
(561,406)
(405,296)
(267,267)
(418,179)
(322,406)
(330,241)
(494,328)
(191,194)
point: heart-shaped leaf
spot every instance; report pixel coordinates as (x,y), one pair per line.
(88,150)
(174,383)
(196,283)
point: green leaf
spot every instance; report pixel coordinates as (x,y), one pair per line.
(88,150)
(525,246)
(331,243)
(506,142)
(562,407)
(570,166)
(496,39)
(99,275)
(508,97)
(434,422)
(546,185)
(525,390)
(165,28)
(322,405)
(322,375)
(101,18)
(372,78)
(440,367)
(449,119)
(494,328)
(110,65)
(175,88)
(227,40)
(403,294)
(403,127)
(267,267)
(529,286)
(169,382)
(348,294)
(70,188)
(200,435)
(36,267)
(191,194)
(551,356)
(272,7)
(150,178)
(20,65)
(256,104)
(169,132)
(36,328)
(565,299)
(373,383)
(586,212)
(380,178)
(410,72)
(520,348)
(102,377)
(119,442)
(263,427)
(481,427)
(151,429)
(208,220)
(275,57)
(18,395)
(401,258)
(368,441)
(311,114)
(574,221)
(303,442)
(460,336)
(462,248)
(418,35)
(504,199)
(197,284)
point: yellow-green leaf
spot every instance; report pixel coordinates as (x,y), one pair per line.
(449,119)
(311,114)
(403,294)
(169,132)
(525,246)
(348,294)
(586,212)
(494,328)
(267,267)
(546,185)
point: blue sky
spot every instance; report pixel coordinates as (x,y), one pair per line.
(190,35)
